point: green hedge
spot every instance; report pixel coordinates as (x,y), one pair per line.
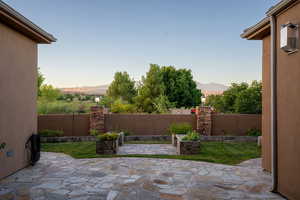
(51,133)
(180,128)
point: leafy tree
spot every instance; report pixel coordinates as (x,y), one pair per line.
(49,93)
(151,87)
(239,98)
(230,95)
(249,101)
(162,104)
(40,80)
(215,101)
(106,101)
(180,88)
(122,87)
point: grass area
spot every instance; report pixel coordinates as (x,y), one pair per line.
(148,142)
(216,152)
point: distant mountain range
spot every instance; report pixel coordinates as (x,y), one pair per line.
(206,88)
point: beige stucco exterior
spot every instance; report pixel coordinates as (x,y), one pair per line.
(266,104)
(18,72)
(19,38)
(288,95)
(288,111)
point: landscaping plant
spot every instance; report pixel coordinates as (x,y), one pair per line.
(107,137)
(51,133)
(254,132)
(94,132)
(191,136)
(180,128)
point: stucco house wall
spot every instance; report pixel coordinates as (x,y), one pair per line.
(287,96)
(18,72)
(266,102)
(19,38)
(288,111)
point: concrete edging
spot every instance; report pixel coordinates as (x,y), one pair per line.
(149,138)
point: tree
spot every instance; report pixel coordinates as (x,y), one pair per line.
(230,95)
(40,80)
(239,98)
(119,106)
(49,93)
(162,104)
(151,87)
(122,87)
(216,101)
(180,88)
(249,101)
(106,101)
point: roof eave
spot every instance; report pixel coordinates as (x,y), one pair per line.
(21,24)
(258,31)
(274,10)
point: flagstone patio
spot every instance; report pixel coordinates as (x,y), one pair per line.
(58,176)
(147,149)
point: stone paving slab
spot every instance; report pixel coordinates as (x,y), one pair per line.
(148,149)
(60,177)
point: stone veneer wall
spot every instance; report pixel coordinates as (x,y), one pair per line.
(97,119)
(204,122)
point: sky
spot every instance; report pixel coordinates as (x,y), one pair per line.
(97,38)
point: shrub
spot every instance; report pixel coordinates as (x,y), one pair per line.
(107,137)
(51,133)
(61,107)
(253,132)
(126,133)
(180,128)
(119,106)
(94,132)
(191,136)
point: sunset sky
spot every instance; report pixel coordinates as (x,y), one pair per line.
(97,38)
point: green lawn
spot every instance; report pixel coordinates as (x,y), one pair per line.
(216,152)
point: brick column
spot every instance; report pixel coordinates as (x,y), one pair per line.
(204,122)
(97,119)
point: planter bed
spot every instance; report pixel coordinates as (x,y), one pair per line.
(108,147)
(175,139)
(187,147)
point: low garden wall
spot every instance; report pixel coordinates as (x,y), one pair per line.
(150,138)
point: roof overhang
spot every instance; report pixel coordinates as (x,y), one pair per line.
(258,31)
(281,6)
(18,22)
(263,28)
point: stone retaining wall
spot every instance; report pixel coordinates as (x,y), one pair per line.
(107,147)
(188,147)
(150,138)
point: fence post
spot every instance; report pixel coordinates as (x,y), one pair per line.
(97,119)
(204,121)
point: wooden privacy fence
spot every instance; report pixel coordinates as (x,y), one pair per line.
(70,124)
(150,124)
(146,124)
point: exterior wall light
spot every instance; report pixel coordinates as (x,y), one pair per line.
(289,37)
